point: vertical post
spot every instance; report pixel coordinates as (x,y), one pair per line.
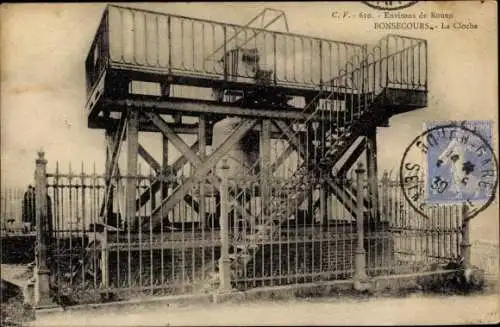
(109,170)
(310,203)
(132,149)
(465,244)
(275,61)
(164,185)
(322,204)
(202,145)
(329,207)
(371,160)
(224,261)
(226,57)
(385,198)
(360,276)
(364,76)
(104,259)
(42,287)
(265,163)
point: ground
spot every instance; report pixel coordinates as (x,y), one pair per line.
(341,309)
(413,309)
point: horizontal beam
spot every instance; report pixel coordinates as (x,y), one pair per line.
(198,107)
(188,129)
(144,126)
(213,81)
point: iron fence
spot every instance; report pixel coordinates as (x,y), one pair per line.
(17,219)
(90,255)
(11,206)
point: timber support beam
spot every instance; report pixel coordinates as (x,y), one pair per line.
(202,168)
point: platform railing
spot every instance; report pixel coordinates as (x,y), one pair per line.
(97,58)
(150,42)
(168,44)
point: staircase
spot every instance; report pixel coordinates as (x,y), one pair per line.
(370,106)
(281,207)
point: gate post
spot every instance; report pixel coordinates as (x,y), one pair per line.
(360,276)
(465,244)
(224,261)
(42,276)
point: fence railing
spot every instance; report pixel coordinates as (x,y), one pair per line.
(84,258)
(11,203)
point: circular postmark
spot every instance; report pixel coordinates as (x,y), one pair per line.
(389,5)
(450,164)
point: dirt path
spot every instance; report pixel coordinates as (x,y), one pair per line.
(410,310)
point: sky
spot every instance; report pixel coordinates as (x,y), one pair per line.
(43,48)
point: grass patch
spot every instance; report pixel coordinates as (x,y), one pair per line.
(15,313)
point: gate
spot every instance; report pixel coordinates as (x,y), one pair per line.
(88,259)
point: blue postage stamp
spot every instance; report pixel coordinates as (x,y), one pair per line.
(454,164)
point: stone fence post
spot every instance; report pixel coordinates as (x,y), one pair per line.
(42,275)
(224,261)
(360,276)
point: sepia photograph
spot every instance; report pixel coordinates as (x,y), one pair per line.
(249,163)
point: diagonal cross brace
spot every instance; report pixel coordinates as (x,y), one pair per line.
(339,192)
(174,138)
(202,170)
(281,159)
(117,140)
(157,168)
(294,141)
(156,184)
(184,148)
(179,143)
(149,159)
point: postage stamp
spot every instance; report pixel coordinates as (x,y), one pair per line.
(451,163)
(454,166)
